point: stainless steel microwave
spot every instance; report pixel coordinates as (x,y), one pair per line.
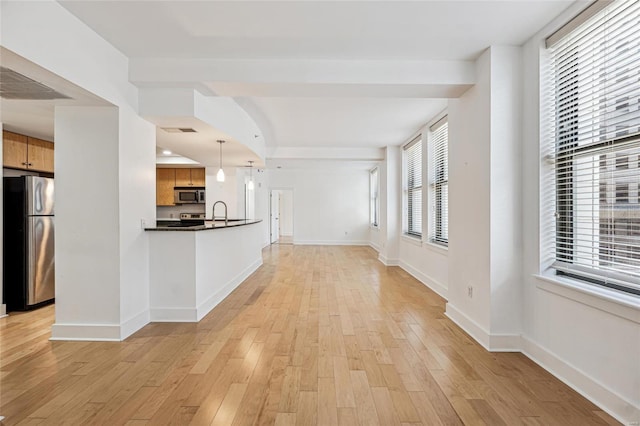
(188,196)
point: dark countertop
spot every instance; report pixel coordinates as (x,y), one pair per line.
(208,224)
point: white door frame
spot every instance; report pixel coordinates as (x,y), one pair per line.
(278,188)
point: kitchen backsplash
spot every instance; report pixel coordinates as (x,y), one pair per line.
(173,212)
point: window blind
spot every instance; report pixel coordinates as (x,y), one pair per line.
(595,148)
(413,193)
(439,173)
(374,184)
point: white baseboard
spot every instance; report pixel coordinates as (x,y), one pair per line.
(213,301)
(425,279)
(491,342)
(86,332)
(134,324)
(388,262)
(376,247)
(617,406)
(3,310)
(330,242)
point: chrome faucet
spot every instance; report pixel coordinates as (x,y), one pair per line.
(213,213)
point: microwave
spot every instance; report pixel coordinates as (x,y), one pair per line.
(188,195)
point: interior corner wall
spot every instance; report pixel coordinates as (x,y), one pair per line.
(390,206)
(469,120)
(330,206)
(506,194)
(87,242)
(136,166)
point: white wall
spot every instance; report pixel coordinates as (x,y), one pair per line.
(286,213)
(469,198)
(87,243)
(590,340)
(390,171)
(105,165)
(330,206)
(137,196)
(226,191)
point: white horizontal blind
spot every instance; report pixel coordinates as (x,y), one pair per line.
(439,173)
(374,197)
(595,81)
(413,194)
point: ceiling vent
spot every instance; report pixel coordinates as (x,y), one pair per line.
(179,130)
(14,85)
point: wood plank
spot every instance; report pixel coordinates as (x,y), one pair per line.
(306,339)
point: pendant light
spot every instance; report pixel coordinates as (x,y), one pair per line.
(250,185)
(220,175)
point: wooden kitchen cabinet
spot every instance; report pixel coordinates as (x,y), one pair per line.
(40,155)
(14,150)
(190,177)
(26,153)
(197,177)
(165,181)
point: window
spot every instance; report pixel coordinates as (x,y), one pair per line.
(439,182)
(413,187)
(374,207)
(594,145)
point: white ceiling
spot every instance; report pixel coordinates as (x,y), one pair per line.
(314,74)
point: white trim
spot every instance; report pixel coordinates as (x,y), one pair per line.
(610,301)
(491,342)
(374,246)
(331,243)
(86,332)
(437,248)
(135,323)
(411,239)
(425,279)
(386,261)
(3,309)
(605,398)
(213,300)
(471,327)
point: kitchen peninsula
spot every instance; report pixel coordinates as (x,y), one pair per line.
(194,268)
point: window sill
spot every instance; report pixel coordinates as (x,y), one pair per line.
(438,248)
(416,241)
(626,306)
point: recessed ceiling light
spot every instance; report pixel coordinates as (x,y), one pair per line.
(166,152)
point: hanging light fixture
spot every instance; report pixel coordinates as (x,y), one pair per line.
(250,185)
(220,175)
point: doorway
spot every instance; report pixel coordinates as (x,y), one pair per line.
(281,216)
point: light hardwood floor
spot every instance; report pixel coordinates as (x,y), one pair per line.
(318,335)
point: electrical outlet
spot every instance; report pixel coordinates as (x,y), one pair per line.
(470,291)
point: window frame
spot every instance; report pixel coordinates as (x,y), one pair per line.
(569,147)
(374,197)
(408,191)
(438,181)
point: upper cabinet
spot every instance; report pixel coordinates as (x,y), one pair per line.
(27,153)
(190,177)
(167,179)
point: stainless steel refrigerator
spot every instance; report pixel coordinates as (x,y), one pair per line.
(28,242)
